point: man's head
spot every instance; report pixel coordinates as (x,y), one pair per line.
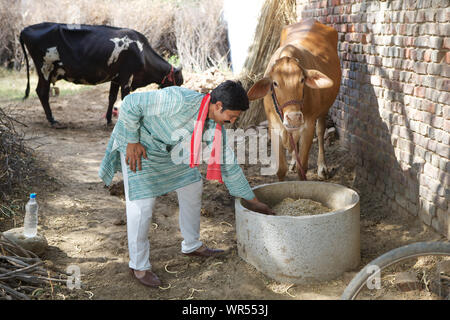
(228,100)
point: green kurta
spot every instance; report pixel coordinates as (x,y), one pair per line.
(163,122)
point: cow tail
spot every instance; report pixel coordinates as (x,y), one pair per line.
(27,91)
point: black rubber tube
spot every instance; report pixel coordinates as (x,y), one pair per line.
(389,258)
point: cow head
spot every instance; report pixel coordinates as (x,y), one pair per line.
(173,78)
(286,82)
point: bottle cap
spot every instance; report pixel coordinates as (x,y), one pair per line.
(33,196)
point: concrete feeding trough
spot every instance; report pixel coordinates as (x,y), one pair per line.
(301,249)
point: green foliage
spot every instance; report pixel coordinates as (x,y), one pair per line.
(14,83)
(174,60)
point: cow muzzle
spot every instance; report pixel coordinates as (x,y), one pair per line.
(293,120)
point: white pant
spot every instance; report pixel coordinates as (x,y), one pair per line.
(139,214)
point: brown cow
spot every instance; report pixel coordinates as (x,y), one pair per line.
(300,84)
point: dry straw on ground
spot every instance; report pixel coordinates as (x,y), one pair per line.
(275,14)
(16,159)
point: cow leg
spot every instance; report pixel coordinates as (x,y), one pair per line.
(124,91)
(43,92)
(293,164)
(322,170)
(306,138)
(282,163)
(113,91)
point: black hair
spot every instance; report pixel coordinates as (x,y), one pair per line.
(232,95)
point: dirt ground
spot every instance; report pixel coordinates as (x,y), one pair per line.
(84,224)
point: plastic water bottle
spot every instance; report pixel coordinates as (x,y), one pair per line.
(31,217)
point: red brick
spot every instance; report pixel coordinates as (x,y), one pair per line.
(364,40)
(427,56)
(429,107)
(409,41)
(420,17)
(443,150)
(419,92)
(402,29)
(446,44)
(447,125)
(407,53)
(408,89)
(443,84)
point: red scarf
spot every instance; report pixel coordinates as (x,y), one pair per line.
(213,172)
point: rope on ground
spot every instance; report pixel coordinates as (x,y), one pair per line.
(166,288)
(168,271)
(192,290)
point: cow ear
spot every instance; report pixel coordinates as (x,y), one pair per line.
(259,89)
(317,80)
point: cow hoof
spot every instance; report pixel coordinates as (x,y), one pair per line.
(58,125)
(54,91)
(323,173)
(293,167)
(109,126)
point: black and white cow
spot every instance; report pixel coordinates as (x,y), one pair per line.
(87,54)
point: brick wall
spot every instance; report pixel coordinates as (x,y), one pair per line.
(393,109)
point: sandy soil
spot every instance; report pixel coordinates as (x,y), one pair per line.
(84,225)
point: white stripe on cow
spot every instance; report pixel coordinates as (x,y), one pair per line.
(121,44)
(59,72)
(51,55)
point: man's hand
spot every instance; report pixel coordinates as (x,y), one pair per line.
(134,153)
(258,206)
